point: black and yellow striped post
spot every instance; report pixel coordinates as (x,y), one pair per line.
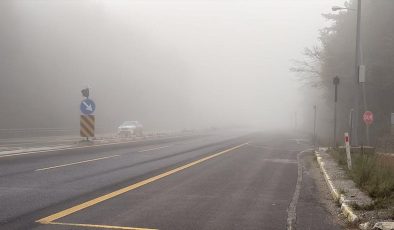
(87,126)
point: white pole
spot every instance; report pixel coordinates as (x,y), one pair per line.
(349,157)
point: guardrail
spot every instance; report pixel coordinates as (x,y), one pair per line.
(35,132)
(49,132)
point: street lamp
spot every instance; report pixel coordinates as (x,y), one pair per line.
(359,71)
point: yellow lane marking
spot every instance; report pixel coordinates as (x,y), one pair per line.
(100,199)
(147,150)
(100,226)
(76,163)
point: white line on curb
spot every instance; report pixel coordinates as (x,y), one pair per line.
(346,209)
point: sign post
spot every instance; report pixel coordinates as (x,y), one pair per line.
(348,156)
(87,106)
(87,119)
(368,119)
(392,124)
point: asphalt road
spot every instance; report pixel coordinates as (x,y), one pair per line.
(217,180)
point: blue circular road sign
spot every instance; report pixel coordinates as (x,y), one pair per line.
(87,106)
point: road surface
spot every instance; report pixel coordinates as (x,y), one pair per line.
(218,180)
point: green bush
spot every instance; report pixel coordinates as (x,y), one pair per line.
(372,173)
(364,166)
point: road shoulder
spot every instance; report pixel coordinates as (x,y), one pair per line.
(347,195)
(315,209)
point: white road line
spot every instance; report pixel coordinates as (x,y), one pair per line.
(84,147)
(270,148)
(292,209)
(75,163)
(284,161)
(67,148)
(147,150)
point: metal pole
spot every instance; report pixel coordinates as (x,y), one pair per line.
(295,120)
(361,63)
(365,109)
(335,125)
(351,123)
(314,127)
(335,82)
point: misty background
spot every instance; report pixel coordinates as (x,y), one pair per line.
(169,64)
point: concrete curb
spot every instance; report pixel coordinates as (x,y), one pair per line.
(384,225)
(345,208)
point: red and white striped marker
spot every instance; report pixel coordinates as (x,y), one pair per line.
(348,156)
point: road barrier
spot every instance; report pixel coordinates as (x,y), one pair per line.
(43,132)
(87,126)
(35,132)
(99,131)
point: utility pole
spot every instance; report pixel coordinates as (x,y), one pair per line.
(295,121)
(314,127)
(335,82)
(351,123)
(358,64)
(359,78)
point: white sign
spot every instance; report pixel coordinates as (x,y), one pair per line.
(392,118)
(361,74)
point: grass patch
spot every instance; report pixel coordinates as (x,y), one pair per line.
(367,207)
(342,191)
(373,173)
(340,157)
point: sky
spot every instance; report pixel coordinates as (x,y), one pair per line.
(168,64)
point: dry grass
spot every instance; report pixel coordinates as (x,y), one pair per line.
(373,173)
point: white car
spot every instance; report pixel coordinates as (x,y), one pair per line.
(130,128)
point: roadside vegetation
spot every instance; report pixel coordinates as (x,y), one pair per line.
(373,173)
(334,55)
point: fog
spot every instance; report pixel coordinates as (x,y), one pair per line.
(169,64)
